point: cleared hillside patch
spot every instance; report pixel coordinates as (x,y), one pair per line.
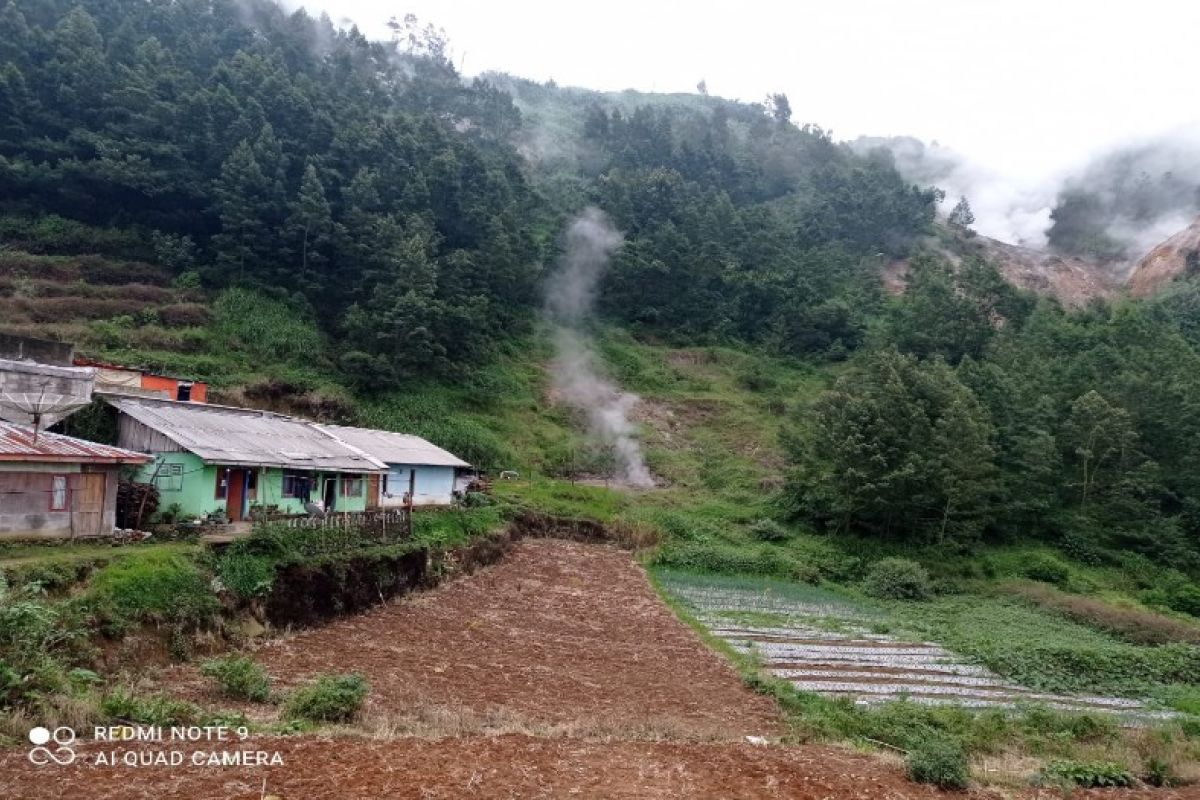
(558,635)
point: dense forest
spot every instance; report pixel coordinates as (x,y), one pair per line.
(978,412)
(412,213)
(369,182)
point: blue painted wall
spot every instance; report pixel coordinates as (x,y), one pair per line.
(434,486)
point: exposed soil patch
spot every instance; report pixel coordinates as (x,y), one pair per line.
(559,633)
(507,767)
(487,767)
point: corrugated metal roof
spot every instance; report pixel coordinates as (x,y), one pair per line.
(17,444)
(395,448)
(243,436)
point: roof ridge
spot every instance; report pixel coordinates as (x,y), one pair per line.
(231,434)
(138,398)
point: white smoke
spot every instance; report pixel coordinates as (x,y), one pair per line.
(570,297)
(1014,211)
(1145,189)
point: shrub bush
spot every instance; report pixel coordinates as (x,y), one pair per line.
(125,706)
(757,379)
(247,575)
(38,640)
(1158,771)
(239,677)
(1047,568)
(55,234)
(1180,596)
(187,280)
(897,579)
(939,762)
(152,586)
(330,698)
(1087,774)
(724,558)
(768,530)
(265,327)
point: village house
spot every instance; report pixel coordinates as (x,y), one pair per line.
(55,486)
(225,462)
(117,379)
(417,470)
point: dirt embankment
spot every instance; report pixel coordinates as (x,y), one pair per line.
(309,593)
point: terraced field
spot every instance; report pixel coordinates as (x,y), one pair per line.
(823,643)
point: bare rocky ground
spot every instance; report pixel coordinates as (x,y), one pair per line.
(556,673)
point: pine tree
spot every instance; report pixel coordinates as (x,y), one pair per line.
(311,230)
(238,191)
(80,66)
(961,216)
(897,447)
(15,101)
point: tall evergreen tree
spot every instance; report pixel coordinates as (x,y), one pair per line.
(311,230)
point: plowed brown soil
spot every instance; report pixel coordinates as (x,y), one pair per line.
(557,634)
(510,766)
(567,641)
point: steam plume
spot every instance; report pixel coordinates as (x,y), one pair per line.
(1016,211)
(1117,204)
(570,297)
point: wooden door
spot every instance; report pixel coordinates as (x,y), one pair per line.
(87,507)
(233,494)
(373,491)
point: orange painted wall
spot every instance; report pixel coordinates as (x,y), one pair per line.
(171,386)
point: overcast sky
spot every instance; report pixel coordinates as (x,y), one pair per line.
(1025,89)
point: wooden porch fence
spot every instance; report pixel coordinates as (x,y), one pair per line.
(393,523)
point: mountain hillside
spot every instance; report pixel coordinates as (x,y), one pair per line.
(1072,280)
(544,280)
(1177,256)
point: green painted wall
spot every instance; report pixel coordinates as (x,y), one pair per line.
(193,487)
(194,491)
(270,492)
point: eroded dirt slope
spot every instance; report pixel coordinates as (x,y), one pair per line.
(1165,262)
